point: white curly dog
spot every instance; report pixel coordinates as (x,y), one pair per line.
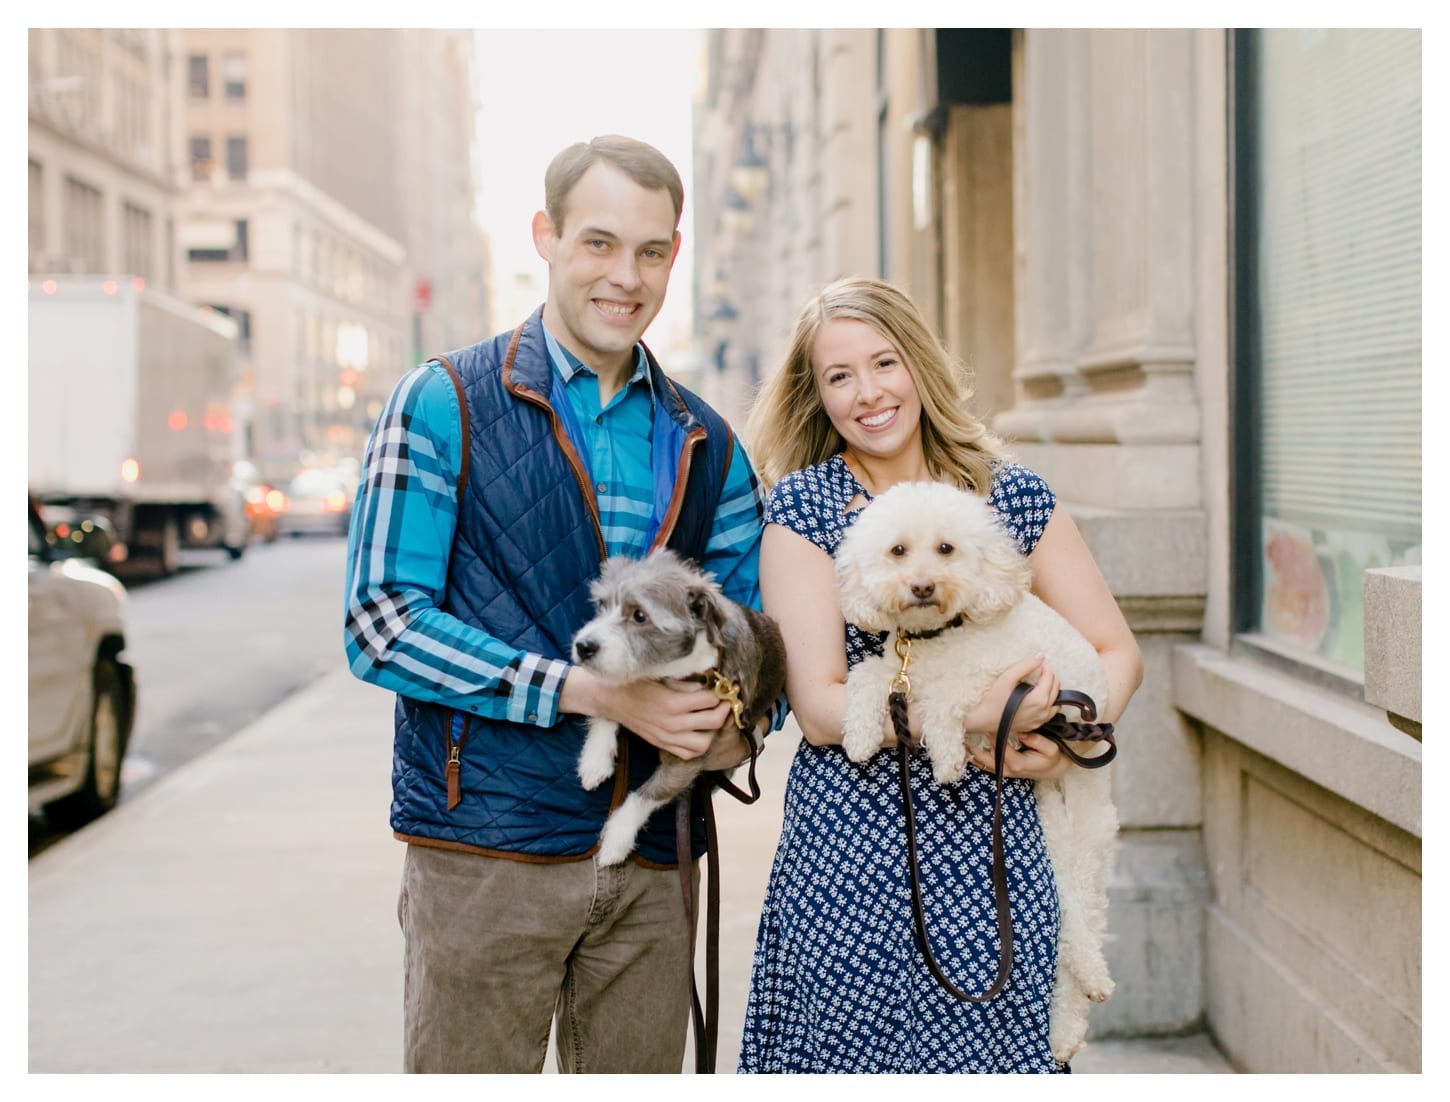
(918,557)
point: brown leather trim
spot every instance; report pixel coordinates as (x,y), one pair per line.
(463,847)
(643,863)
(463,459)
(682,480)
(526,858)
(508,358)
(621,769)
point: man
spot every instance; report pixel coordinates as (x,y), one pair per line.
(496,481)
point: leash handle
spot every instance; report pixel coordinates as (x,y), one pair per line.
(1062,730)
(897,707)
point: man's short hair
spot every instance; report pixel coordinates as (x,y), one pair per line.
(640,161)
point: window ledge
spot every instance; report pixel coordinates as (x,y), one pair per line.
(1340,744)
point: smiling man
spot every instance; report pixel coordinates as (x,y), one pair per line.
(495,483)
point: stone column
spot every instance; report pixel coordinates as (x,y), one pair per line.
(1107,285)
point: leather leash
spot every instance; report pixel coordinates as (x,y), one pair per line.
(1060,730)
(707,1020)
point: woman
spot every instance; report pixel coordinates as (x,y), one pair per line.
(867,397)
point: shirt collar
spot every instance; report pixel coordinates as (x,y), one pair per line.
(569,365)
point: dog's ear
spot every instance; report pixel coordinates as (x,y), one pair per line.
(853,586)
(1002,577)
(705,610)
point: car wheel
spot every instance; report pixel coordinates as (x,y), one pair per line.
(102,787)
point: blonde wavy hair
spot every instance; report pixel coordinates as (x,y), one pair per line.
(788,429)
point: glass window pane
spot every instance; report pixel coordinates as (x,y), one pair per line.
(1337,292)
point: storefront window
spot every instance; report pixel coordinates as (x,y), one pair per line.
(1328,312)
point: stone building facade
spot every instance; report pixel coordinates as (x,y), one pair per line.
(318,186)
(1177,261)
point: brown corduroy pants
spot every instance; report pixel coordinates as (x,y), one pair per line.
(495,949)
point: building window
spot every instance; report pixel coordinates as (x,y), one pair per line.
(237,158)
(1327,332)
(234,76)
(85,229)
(198,84)
(218,244)
(201,159)
(136,248)
(37,214)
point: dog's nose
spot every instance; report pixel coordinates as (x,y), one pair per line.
(586,649)
(923,590)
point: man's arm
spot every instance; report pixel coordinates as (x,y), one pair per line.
(399,543)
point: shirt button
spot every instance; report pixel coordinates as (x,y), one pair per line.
(533,717)
(600,487)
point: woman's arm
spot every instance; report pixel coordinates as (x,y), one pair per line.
(798,589)
(1065,577)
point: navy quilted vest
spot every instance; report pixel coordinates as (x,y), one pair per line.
(528,544)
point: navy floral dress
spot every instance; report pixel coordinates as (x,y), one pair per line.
(838,984)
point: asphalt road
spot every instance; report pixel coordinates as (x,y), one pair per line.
(219,644)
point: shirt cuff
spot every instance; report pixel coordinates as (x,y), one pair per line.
(534,697)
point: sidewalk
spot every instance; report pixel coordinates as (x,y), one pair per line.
(239,916)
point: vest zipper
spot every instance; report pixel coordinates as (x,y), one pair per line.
(458,735)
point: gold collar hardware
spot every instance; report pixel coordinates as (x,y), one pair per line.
(729,691)
(902,681)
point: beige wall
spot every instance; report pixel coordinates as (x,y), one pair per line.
(1268,876)
(103,111)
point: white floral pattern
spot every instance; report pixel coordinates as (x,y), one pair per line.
(838,984)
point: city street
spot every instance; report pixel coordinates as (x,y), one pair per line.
(219,644)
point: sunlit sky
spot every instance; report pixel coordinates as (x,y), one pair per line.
(541,90)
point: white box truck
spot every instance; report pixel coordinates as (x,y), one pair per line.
(130,415)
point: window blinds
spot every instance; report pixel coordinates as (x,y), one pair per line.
(1339,279)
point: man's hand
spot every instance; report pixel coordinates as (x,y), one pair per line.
(682,723)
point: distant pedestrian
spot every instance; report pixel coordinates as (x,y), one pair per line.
(496,481)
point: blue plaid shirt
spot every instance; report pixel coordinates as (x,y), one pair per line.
(398,546)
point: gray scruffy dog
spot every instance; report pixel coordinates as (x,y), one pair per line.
(661,618)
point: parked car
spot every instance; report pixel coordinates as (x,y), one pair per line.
(319,502)
(82,691)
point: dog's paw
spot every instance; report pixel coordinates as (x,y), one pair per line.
(1100,992)
(596,761)
(859,743)
(1092,977)
(616,843)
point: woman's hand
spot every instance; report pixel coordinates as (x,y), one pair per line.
(1039,758)
(1035,709)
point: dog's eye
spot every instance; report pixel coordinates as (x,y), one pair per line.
(945,548)
(898,550)
(639,617)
